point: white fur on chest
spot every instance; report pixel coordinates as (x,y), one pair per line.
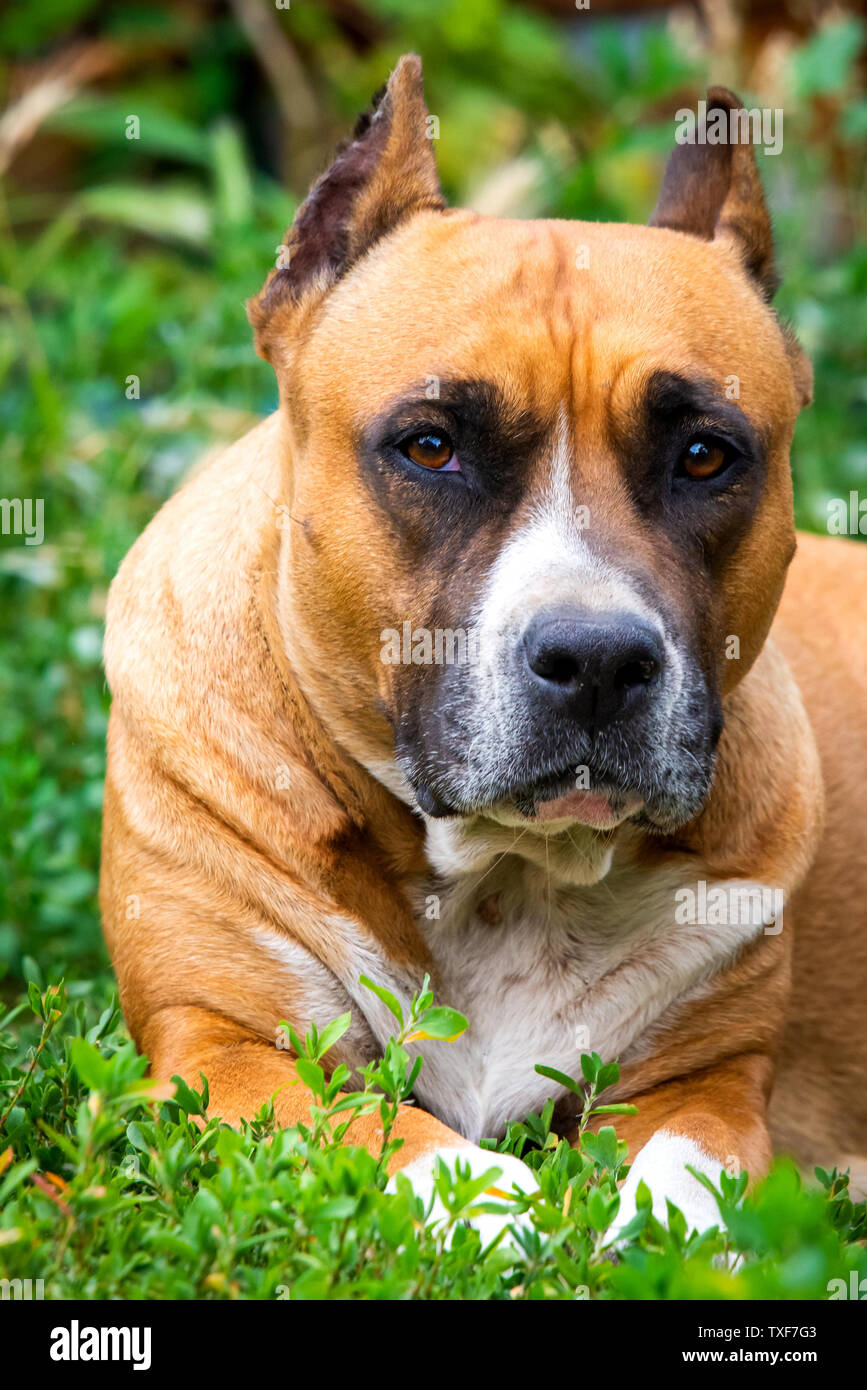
(544,973)
(543,968)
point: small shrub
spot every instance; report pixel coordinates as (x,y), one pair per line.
(113,1186)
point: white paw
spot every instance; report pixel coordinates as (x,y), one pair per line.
(513,1174)
(661,1166)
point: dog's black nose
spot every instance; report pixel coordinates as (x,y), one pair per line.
(592,666)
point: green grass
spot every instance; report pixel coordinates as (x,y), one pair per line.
(111,1189)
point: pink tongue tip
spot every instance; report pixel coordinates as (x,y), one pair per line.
(587,807)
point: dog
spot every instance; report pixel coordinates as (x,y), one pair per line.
(489,655)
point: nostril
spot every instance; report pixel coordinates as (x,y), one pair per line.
(634,673)
(554,664)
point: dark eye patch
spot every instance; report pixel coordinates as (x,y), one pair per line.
(672,412)
(494,438)
(704,519)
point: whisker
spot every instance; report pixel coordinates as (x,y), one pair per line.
(502,856)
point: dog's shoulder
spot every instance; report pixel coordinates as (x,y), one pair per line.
(182,591)
(202,699)
(187,656)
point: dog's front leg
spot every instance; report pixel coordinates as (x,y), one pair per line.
(244,1071)
(712,1120)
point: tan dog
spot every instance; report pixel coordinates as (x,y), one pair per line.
(558,452)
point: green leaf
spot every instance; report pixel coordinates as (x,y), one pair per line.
(93,1068)
(338,1209)
(561,1078)
(704,1180)
(395,1225)
(386,996)
(607,1076)
(297,1045)
(440,1023)
(232,185)
(136,1138)
(311,1074)
(15,1177)
(824,64)
(602,1147)
(364,1103)
(599,1212)
(103,121)
(633,1228)
(332,1032)
(643,1197)
(179,213)
(34,995)
(591,1063)
(186,1098)
(32,973)
(676,1222)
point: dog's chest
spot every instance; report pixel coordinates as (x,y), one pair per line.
(524,963)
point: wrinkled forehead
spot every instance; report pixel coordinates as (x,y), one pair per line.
(564,316)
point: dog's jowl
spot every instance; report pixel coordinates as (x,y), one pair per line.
(625,814)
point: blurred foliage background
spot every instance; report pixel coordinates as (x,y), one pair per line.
(130,258)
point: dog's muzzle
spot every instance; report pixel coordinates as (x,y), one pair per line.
(585,714)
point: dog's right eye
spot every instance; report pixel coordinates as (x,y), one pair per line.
(431,449)
(704,458)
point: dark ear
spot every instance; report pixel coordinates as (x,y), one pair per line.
(713,189)
(383,175)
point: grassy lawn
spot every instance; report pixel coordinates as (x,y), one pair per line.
(111,1189)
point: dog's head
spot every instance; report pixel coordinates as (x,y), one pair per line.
(538,479)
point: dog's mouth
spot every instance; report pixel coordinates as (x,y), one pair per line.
(563,799)
(549,802)
(602,809)
(658,781)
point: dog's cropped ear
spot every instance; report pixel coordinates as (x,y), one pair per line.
(712,190)
(385,173)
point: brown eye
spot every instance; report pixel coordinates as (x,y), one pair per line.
(703,458)
(432,449)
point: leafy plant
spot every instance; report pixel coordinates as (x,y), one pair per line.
(114,1187)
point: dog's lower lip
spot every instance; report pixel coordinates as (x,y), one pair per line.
(601,809)
(590,808)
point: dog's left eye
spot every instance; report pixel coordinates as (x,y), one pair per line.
(704,458)
(432,449)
